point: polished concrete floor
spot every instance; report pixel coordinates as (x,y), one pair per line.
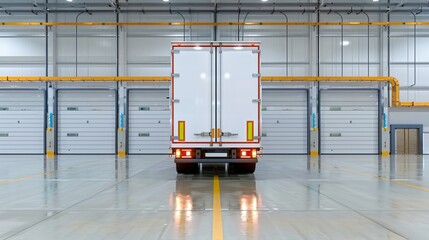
(142,197)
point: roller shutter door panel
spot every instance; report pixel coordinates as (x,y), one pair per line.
(22,114)
(149,122)
(349,122)
(86,122)
(284,121)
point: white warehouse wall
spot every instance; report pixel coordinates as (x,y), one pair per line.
(144,51)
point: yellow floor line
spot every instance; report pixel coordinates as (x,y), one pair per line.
(20,179)
(41,174)
(217,231)
(382,178)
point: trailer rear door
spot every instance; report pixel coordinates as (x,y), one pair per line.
(239,95)
(192,114)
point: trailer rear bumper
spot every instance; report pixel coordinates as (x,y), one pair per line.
(215,160)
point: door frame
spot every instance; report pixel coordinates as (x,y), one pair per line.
(393,128)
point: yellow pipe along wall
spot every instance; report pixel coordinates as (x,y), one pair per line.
(392,80)
(143,24)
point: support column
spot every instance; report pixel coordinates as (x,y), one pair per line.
(50,128)
(385,130)
(122,102)
(314,120)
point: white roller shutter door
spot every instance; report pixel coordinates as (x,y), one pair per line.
(149,122)
(22,114)
(86,122)
(349,122)
(284,121)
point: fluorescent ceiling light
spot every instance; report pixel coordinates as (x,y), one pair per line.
(375,0)
(165,0)
(264,0)
(198,48)
(69,0)
(238,48)
(345,43)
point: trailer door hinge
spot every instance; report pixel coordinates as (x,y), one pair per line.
(175,51)
(256,75)
(203,134)
(256,100)
(175,100)
(228,134)
(175,75)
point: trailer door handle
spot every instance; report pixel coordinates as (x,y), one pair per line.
(203,134)
(229,134)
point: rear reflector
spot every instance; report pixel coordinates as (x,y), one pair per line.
(181,130)
(250,134)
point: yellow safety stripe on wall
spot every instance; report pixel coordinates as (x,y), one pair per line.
(181,130)
(250,133)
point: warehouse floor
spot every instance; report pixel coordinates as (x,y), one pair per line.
(142,197)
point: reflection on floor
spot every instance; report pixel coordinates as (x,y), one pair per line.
(142,197)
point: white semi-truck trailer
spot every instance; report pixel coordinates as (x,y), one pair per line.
(215,105)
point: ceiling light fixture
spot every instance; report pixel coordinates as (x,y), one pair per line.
(264,0)
(165,0)
(375,0)
(345,43)
(69,0)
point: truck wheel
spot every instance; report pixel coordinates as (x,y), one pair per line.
(241,168)
(187,168)
(249,167)
(232,168)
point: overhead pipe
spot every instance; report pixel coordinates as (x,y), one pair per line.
(242,27)
(77,17)
(367,17)
(287,43)
(46,44)
(238,21)
(415,51)
(342,42)
(150,24)
(393,81)
(184,26)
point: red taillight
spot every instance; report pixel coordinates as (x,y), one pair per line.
(248,153)
(184,153)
